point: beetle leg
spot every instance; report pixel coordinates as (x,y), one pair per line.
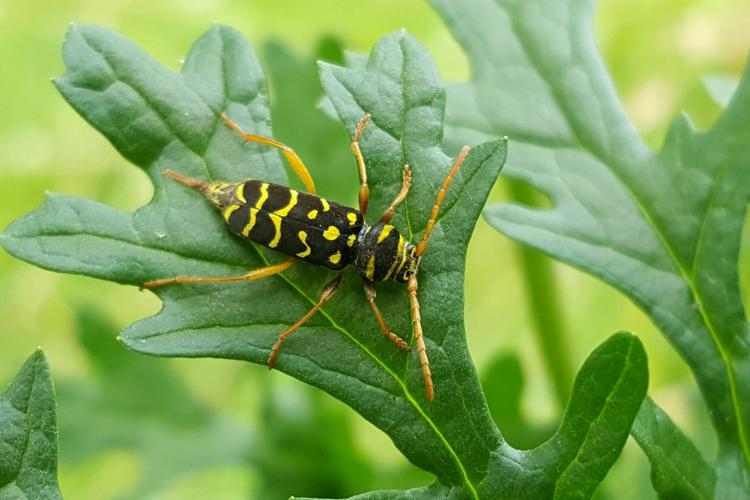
(405,184)
(371,293)
(364,190)
(325,296)
(254,275)
(295,161)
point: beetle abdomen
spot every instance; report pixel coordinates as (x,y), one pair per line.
(295,223)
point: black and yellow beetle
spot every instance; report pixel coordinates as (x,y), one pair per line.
(309,227)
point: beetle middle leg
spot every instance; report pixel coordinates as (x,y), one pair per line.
(371,293)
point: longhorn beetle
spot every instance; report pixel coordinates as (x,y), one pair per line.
(311,228)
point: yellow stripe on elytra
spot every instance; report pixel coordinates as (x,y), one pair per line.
(239,193)
(352,218)
(250,223)
(351,239)
(263,195)
(284,211)
(326,206)
(396,260)
(276,220)
(403,261)
(370,268)
(331,233)
(229,211)
(335,258)
(384,233)
(303,238)
(312,214)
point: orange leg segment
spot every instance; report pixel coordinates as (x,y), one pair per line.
(419,337)
(325,296)
(370,293)
(295,161)
(364,190)
(405,185)
(254,275)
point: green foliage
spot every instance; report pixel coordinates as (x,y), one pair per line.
(28,434)
(678,469)
(661,226)
(140,405)
(159,119)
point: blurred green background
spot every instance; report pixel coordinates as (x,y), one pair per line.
(145,428)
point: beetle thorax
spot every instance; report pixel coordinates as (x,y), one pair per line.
(383,253)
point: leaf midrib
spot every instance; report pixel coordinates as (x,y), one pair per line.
(610,394)
(407,394)
(201,154)
(710,328)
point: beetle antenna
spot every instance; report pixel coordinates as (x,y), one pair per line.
(187,181)
(422,246)
(419,337)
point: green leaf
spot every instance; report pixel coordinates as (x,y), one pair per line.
(688,476)
(720,88)
(159,119)
(661,226)
(140,405)
(28,434)
(305,443)
(607,393)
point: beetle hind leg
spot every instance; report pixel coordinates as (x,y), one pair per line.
(254,275)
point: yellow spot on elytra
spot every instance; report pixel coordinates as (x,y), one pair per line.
(331,233)
(303,238)
(398,258)
(335,258)
(276,220)
(250,223)
(312,214)
(284,211)
(384,233)
(229,211)
(351,239)
(370,268)
(352,218)
(263,196)
(240,192)
(326,206)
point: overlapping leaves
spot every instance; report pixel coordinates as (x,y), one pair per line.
(28,434)
(159,119)
(661,226)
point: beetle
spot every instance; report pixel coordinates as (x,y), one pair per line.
(306,226)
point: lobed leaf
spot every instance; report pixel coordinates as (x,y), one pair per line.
(28,434)
(140,405)
(661,226)
(159,119)
(677,468)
